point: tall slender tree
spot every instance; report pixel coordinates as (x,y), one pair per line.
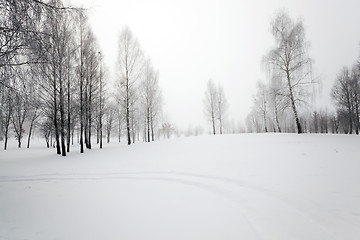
(222,106)
(130,64)
(210,104)
(290,60)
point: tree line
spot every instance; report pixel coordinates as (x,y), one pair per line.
(53,79)
(282,104)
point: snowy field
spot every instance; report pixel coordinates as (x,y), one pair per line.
(244,187)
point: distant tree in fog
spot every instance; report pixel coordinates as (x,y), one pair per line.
(346,95)
(150,100)
(210,104)
(261,102)
(130,63)
(222,107)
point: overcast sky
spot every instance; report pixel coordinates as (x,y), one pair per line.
(191,41)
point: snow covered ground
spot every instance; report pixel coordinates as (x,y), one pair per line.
(251,186)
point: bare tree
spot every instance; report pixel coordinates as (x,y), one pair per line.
(355,86)
(34,108)
(222,107)
(101,99)
(59,33)
(342,95)
(210,104)
(21,102)
(346,94)
(6,101)
(130,62)
(278,101)
(150,100)
(252,122)
(290,60)
(261,102)
(20,31)
(109,120)
(167,130)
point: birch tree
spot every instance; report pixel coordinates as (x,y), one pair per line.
(289,59)
(130,63)
(151,100)
(210,104)
(222,106)
(261,103)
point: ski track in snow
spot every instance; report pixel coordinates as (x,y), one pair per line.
(237,191)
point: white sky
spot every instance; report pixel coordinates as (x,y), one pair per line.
(191,41)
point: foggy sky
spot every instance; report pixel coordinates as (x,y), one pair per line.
(192,41)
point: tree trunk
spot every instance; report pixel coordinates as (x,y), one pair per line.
(133,127)
(62,118)
(148,124)
(350,120)
(6,137)
(47,139)
(213,123)
(51,138)
(277,119)
(72,136)
(81,118)
(89,118)
(58,150)
(357,115)
(298,125)
(68,107)
(31,127)
(220,122)
(152,129)
(68,122)
(101,140)
(128,116)
(119,128)
(7,124)
(89,133)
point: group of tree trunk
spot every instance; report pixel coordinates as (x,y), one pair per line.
(52,79)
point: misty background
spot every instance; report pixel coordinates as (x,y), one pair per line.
(191,42)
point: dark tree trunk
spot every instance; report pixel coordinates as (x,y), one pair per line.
(81,117)
(7,124)
(68,117)
(89,118)
(213,123)
(31,127)
(62,118)
(119,128)
(133,127)
(47,139)
(298,125)
(277,119)
(58,150)
(148,124)
(108,135)
(128,121)
(101,140)
(152,129)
